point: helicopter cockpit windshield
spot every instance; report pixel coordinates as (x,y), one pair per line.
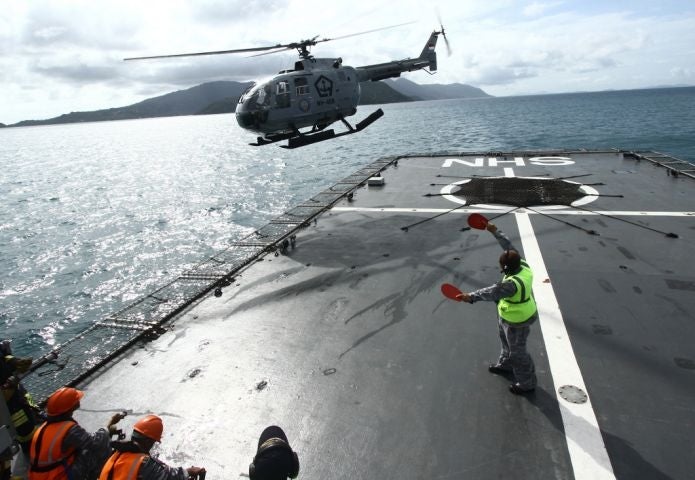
(252,109)
(258,94)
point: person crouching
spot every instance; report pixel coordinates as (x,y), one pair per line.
(131,460)
(61,449)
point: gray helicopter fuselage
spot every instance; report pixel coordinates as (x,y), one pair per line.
(318,92)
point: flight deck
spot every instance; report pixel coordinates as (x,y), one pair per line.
(339,333)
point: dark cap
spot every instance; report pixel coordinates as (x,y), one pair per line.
(272,432)
(274,458)
(510,261)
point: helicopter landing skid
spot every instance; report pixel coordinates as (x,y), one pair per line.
(298,139)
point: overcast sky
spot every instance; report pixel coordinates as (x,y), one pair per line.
(58,56)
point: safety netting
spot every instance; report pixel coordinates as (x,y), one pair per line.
(147,317)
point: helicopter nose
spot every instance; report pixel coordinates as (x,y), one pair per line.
(245,119)
(252,119)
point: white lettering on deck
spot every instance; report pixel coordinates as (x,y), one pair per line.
(517,161)
(550,161)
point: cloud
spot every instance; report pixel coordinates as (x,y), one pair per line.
(497,75)
(537,9)
(78,73)
(682,74)
(236,11)
(92,25)
(74,50)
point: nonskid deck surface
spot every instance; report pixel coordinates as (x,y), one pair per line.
(348,344)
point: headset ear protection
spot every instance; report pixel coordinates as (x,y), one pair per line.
(275,444)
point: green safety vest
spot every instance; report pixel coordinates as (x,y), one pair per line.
(521,306)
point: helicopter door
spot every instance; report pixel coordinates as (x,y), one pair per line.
(301,86)
(282,95)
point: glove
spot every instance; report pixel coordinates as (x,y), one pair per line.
(194,472)
(117,417)
(11,383)
(23,364)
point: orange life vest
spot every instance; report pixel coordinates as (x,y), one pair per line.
(48,461)
(122,466)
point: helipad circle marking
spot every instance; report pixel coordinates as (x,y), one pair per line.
(447,192)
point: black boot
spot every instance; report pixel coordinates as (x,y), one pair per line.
(498,369)
(517,389)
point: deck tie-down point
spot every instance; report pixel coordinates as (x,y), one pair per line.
(573,394)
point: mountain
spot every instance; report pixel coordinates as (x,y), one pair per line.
(380,92)
(222,97)
(435,91)
(182,102)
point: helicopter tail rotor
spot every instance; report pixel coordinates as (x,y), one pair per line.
(446,40)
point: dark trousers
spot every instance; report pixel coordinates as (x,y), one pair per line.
(514,355)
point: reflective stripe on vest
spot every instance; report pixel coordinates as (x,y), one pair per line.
(521,306)
(122,466)
(48,460)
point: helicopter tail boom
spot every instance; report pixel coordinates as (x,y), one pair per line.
(427,59)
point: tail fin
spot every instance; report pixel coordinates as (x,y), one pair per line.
(380,71)
(428,54)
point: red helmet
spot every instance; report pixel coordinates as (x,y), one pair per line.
(63,400)
(150,426)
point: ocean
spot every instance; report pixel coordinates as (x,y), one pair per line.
(96,215)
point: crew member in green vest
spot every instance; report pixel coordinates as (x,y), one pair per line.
(516,311)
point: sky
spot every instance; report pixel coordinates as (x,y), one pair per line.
(60,56)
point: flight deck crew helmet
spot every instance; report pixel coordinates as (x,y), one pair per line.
(274,459)
(63,400)
(149,426)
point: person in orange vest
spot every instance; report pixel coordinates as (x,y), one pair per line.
(22,409)
(61,449)
(131,459)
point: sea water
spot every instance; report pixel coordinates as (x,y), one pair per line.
(96,215)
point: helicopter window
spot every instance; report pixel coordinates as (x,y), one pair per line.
(263,95)
(283,94)
(283,88)
(301,86)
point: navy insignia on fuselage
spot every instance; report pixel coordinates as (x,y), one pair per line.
(324,86)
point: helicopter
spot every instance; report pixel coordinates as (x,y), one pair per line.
(316,93)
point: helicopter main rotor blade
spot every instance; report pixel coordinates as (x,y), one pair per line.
(302,45)
(272,51)
(362,33)
(218,52)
